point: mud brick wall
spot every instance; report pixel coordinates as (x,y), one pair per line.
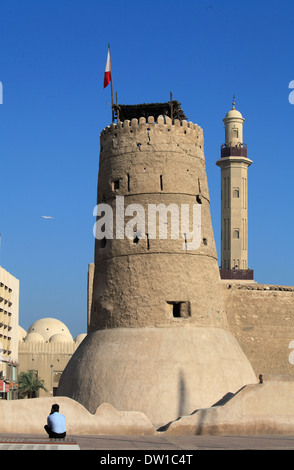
(262,319)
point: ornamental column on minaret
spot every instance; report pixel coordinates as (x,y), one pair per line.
(234,199)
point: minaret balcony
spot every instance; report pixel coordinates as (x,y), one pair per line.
(238,151)
(237,274)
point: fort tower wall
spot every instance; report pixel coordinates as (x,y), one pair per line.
(158,338)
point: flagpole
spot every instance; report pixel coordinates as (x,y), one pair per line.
(111,85)
(117,109)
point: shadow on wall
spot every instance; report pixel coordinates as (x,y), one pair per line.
(182,395)
(182,404)
(182,401)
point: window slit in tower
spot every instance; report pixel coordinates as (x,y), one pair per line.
(148,242)
(161,183)
(115,185)
(185,237)
(128,182)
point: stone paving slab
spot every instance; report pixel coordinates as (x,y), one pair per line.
(158,443)
(26,443)
(186,443)
(29,446)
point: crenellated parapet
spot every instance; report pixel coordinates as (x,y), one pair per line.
(176,128)
(152,156)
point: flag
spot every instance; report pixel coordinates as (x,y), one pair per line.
(107,73)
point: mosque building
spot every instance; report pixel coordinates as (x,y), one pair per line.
(46,348)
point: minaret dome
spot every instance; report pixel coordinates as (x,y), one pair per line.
(233,127)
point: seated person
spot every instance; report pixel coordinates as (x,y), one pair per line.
(55,426)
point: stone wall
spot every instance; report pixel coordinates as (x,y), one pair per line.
(257,409)
(261,317)
(30,416)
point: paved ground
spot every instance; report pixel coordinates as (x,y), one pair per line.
(157,443)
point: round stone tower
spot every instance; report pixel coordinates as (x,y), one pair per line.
(158,340)
(158,272)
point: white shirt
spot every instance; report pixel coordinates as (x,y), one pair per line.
(56,422)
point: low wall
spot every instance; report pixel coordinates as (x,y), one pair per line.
(29,416)
(261,317)
(259,409)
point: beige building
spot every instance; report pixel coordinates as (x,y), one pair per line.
(234,199)
(46,348)
(9,305)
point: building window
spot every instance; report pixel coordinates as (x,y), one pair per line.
(236,192)
(115,185)
(236,233)
(180,309)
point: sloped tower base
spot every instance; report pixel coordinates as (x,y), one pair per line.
(162,372)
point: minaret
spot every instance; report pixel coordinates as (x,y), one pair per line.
(234,207)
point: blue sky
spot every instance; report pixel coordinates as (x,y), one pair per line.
(53,54)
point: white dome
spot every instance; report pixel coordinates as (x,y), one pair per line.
(47,327)
(233,113)
(34,338)
(59,338)
(80,338)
